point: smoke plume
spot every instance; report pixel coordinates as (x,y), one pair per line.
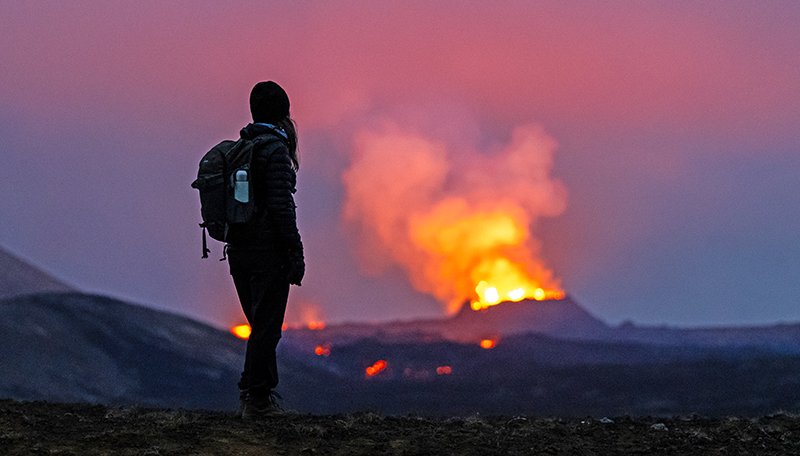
(459,221)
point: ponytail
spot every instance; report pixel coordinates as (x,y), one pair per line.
(288,125)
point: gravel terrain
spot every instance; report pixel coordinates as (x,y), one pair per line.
(81,429)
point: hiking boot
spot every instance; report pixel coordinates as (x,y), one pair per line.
(256,407)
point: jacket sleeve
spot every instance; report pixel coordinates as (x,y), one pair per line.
(277,178)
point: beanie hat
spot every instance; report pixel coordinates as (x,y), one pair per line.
(268,102)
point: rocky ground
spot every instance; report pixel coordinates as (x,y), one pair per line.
(81,429)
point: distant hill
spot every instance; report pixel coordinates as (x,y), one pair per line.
(564,319)
(84,348)
(72,347)
(18,277)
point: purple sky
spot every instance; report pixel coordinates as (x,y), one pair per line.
(677,127)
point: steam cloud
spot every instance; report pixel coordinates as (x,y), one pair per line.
(450,215)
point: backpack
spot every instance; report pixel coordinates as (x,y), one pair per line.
(224,183)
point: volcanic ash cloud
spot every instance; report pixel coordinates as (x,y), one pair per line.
(457,220)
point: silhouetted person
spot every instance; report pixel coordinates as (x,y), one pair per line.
(266,254)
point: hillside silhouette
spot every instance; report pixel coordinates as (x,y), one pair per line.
(19,277)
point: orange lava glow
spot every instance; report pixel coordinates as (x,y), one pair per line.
(488,343)
(444,370)
(309,315)
(485,255)
(322,350)
(493,293)
(376,368)
(315,325)
(241,331)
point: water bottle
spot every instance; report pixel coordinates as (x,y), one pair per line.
(241,186)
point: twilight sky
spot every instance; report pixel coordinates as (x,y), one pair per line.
(669,143)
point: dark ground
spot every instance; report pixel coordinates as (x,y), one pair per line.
(46,428)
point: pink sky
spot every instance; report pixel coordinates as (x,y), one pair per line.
(676,126)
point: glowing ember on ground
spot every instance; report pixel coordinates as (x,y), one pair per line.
(241,331)
(322,350)
(444,370)
(376,368)
(488,343)
(315,325)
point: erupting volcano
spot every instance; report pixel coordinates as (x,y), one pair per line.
(458,220)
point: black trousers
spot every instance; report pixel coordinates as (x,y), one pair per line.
(260,279)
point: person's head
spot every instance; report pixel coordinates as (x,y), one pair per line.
(270,104)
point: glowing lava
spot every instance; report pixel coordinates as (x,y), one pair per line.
(241,331)
(496,292)
(315,325)
(488,344)
(322,350)
(484,254)
(444,370)
(376,368)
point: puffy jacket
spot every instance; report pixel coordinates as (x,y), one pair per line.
(274,179)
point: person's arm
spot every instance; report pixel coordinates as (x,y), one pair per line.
(279,186)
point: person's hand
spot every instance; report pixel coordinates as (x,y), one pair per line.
(297,268)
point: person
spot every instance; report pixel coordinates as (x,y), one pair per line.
(265,255)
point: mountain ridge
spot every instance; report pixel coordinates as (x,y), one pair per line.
(20,277)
